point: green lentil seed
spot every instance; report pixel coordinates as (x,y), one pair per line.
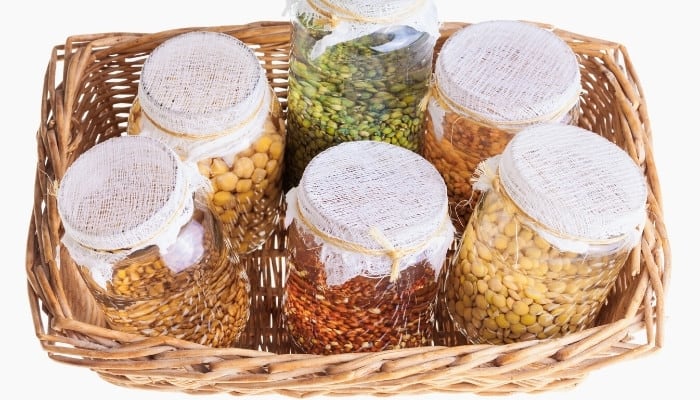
(369,95)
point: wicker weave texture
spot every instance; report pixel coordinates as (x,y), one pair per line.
(90,84)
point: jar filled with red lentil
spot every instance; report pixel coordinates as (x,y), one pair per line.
(206,95)
(491,80)
(368,237)
(138,226)
(559,212)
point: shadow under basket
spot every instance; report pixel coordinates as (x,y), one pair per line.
(90,84)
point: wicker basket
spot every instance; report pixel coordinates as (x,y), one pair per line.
(89,86)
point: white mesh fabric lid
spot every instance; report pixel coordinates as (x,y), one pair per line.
(351,19)
(574,182)
(205,92)
(375,209)
(508,72)
(122,195)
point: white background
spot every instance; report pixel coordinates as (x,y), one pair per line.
(658,35)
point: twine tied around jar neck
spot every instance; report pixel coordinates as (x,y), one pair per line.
(388,249)
(147,241)
(507,126)
(101,261)
(331,10)
(142,194)
(136,113)
(486,178)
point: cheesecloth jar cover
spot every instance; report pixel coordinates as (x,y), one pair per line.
(374,208)
(206,95)
(581,191)
(123,195)
(203,93)
(147,245)
(508,74)
(350,19)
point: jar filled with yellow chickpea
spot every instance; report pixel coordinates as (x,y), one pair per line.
(138,226)
(493,79)
(559,212)
(206,95)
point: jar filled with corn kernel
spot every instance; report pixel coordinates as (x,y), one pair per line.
(365,249)
(138,226)
(560,210)
(206,95)
(358,70)
(493,79)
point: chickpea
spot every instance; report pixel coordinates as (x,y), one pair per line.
(252,184)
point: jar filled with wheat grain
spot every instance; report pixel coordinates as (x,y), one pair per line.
(138,227)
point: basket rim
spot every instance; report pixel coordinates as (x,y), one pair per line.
(109,353)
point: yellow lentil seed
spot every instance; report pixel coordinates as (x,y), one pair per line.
(518,329)
(501,321)
(490,324)
(499,300)
(520,308)
(536,309)
(512,317)
(500,242)
(483,251)
(481,286)
(479,270)
(480,302)
(528,319)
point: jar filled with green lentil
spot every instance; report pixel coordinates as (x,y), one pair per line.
(138,226)
(493,79)
(359,70)
(559,212)
(365,250)
(206,95)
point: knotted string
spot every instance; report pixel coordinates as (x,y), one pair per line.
(388,249)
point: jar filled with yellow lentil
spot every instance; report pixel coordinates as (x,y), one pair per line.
(559,212)
(359,70)
(492,79)
(138,227)
(368,238)
(206,95)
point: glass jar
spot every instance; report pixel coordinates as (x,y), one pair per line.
(359,70)
(206,95)
(492,79)
(138,226)
(365,249)
(560,211)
